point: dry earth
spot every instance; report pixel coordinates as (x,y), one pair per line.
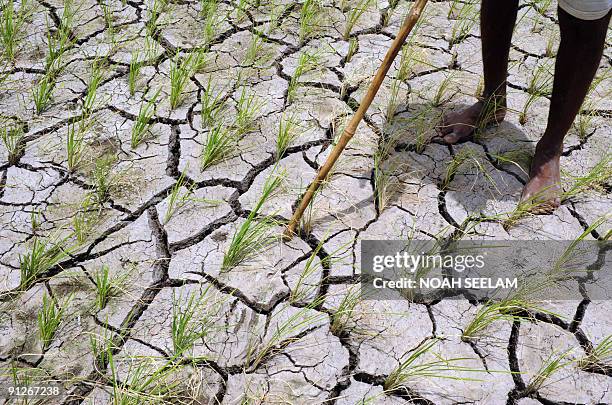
(275,328)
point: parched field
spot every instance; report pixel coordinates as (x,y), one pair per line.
(152,152)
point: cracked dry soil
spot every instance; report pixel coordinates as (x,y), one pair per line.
(275,328)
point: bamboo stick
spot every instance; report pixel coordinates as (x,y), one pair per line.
(349,131)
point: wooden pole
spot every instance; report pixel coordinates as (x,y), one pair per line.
(349,131)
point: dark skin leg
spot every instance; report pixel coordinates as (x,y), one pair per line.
(497,19)
(579,55)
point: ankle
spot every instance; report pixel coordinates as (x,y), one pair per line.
(546,151)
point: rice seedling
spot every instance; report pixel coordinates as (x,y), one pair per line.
(12,138)
(388,13)
(134,72)
(275,15)
(92,87)
(102,347)
(211,19)
(188,325)
(84,219)
(154,12)
(584,120)
(342,316)
(464,155)
(466,20)
(107,15)
(57,45)
(517,157)
(42,94)
(550,366)
(354,15)
(352,49)
(386,183)
(140,130)
(306,62)
(302,290)
(67,21)
(180,71)
(509,309)
(212,105)
(219,145)
(108,286)
(104,181)
(254,50)
(254,235)
(310,19)
(284,334)
(541,6)
(144,381)
(74,147)
(247,106)
(414,366)
(49,318)
(598,355)
(11,27)
(596,179)
(178,199)
(286,134)
(441,96)
(41,256)
(393,101)
(540,85)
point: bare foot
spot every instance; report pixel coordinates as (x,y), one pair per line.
(459,126)
(542,191)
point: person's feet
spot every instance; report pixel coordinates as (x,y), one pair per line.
(459,126)
(542,193)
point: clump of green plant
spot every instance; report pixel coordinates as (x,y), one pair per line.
(11,27)
(180,71)
(74,147)
(464,155)
(287,133)
(254,235)
(393,101)
(41,256)
(254,50)
(441,96)
(154,12)
(550,366)
(12,138)
(219,145)
(84,219)
(107,285)
(247,106)
(310,19)
(212,19)
(212,105)
(103,178)
(107,14)
(191,320)
(134,72)
(95,80)
(306,62)
(598,355)
(142,125)
(283,334)
(415,366)
(467,18)
(517,157)
(143,381)
(302,289)
(354,15)
(342,316)
(540,85)
(42,94)
(49,318)
(352,49)
(595,179)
